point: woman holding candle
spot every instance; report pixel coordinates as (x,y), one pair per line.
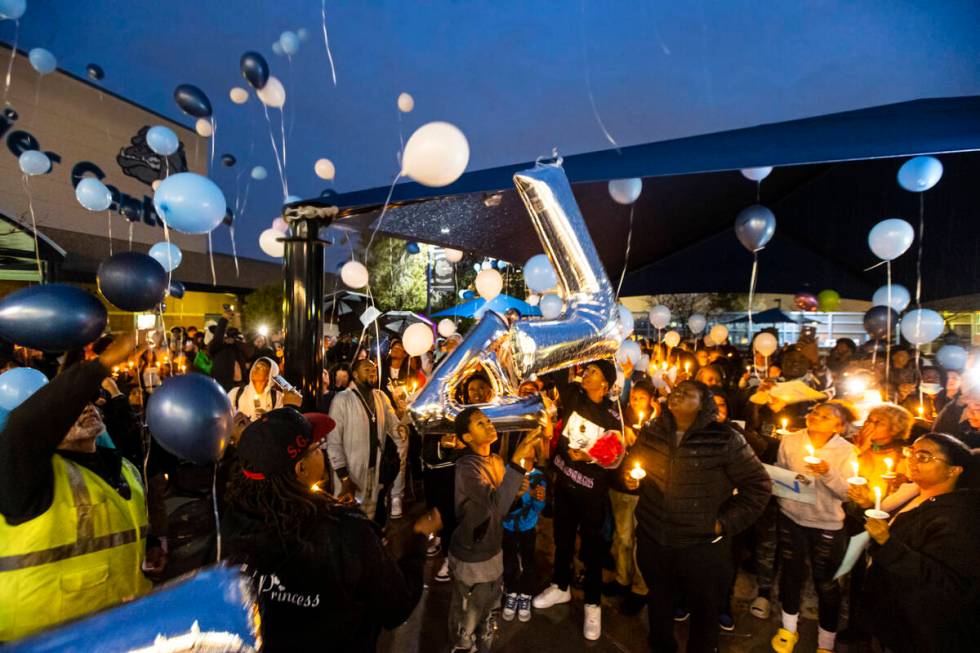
(881,439)
(924,573)
(814,530)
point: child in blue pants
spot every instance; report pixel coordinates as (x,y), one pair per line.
(520,535)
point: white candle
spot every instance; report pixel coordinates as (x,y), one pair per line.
(637,472)
(811,459)
(857,479)
(889,464)
(877,498)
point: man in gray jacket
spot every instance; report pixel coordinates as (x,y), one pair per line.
(484,495)
(365,420)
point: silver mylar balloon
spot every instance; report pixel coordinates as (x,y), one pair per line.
(588,329)
(754,227)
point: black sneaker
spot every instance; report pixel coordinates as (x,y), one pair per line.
(680,614)
(726,623)
(612,588)
(633,604)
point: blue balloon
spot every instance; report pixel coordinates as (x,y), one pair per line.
(922,325)
(259,173)
(550,306)
(890,238)
(93,194)
(292,198)
(132,281)
(900,297)
(18,384)
(920,173)
(539,275)
(190,416)
(167,255)
(877,321)
(289,43)
(34,162)
(12,9)
(176,289)
(754,227)
(192,101)
(952,357)
(412,248)
(42,61)
(52,317)
(190,203)
(255,69)
(277,48)
(468,294)
(162,140)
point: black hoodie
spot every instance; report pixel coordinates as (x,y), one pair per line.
(689,486)
(336,592)
(923,586)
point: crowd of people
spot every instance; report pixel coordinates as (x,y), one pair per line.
(668,481)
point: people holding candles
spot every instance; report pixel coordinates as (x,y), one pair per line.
(814,531)
(688,508)
(923,587)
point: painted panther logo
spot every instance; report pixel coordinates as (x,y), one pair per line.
(140,162)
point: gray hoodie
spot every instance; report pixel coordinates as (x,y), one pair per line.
(484,495)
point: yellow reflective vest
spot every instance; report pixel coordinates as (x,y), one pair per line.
(82,555)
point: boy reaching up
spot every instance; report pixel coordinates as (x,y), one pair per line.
(485,492)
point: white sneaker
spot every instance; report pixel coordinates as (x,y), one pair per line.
(396,507)
(593,622)
(510,607)
(434,548)
(551,596)
(442,576)
(524,607)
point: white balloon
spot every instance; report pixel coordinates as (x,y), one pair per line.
(550,305)
(900,297)
(269,243)
(696,323)
(756,174)
(765,343)
(625,191)
(672,339)
(629,351)
(280,225)
(489,283)
(659,316)
(446,327)
(354,274)
(452,255)
(203,127)
(719,333)
(436,154)
(417,339)
(708,340)
(890,238)
(644,363)
(259,173)
(533,299)
(238,95)
(324,169)
(626,319)
(273,94)
(406,103)
(922,325)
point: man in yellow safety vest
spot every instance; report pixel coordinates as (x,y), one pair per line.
(73,517)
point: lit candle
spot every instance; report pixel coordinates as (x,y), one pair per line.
(664,365)
(640,421)
(785,424)
(687,367)
(315,488)
(637,472)
(877,498)
(921,410)
(889,464)
(811,459)
(857,479)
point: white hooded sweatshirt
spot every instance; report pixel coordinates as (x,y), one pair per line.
(252,403)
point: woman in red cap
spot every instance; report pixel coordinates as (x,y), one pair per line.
(320,571)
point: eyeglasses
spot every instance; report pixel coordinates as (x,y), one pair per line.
(924,457)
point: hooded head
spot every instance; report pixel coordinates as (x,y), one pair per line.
(263,369)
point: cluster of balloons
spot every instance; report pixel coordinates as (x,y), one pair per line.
(52,317)
(436,154)
(625,191)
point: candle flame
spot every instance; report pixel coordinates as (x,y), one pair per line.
(785,424)
(810,450)
(854,464)
(315,488)
(877,493)
(921,409)
(889,463)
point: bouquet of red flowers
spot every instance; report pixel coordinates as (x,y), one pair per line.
(608,449)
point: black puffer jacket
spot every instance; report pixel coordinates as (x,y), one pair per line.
(688,487)
(923,586)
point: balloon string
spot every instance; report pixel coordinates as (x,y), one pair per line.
(217,518)
(214,278)
(37,100)
(752,280)
(108,221)
(918,262)
(878,264)
(30,208)
(326,40)
(166,237)
(282,127)
(401,139)
(275,149)
(234,249)
(888,323)
(214,138)
(758,191)
(626,257)
(384,209)
(10,64)
(130,235)
(588,83)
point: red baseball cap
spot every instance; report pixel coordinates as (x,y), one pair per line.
(277,440)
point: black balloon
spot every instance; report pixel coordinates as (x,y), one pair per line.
(192,101)
(176,289)
(95,72)
(255,69)
(228,160)
(132,281)
(876,321)
(52,317)
(190,416)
